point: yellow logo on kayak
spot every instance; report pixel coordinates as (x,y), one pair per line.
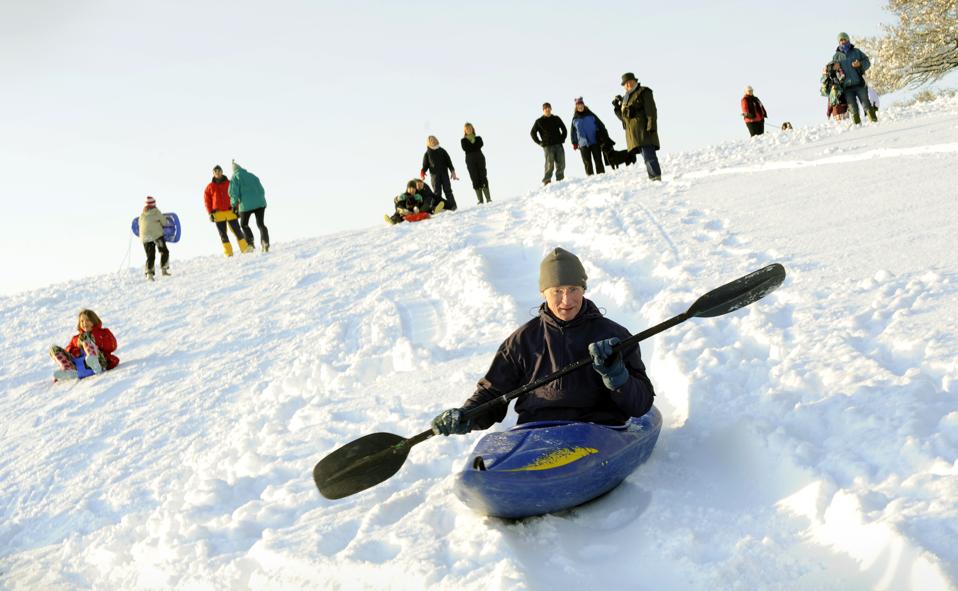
(559,457)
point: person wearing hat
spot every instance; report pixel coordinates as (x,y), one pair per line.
(152,222)
(854,63)
(754,113)
(549,132)
(568,328)
(216,197)
(248,197)
(636,110)
(588,133)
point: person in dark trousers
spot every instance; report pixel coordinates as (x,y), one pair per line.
(475,162)
(249,198)
(549,132)
(567,328)
(152,222)
(854,64)
(588,133)
(636,110)
(437,161)
(754,113)
(431,202)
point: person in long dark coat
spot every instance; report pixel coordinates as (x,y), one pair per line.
(639,116)
(437,162)
(475,162)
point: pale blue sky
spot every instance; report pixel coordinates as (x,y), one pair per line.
(330,103)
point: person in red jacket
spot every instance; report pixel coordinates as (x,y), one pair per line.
(217,200)
(754,113)
(93,343)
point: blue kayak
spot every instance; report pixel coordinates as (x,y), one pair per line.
(548,466)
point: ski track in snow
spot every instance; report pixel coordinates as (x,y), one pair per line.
(810,440)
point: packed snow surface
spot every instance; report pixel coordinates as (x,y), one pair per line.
(810,440)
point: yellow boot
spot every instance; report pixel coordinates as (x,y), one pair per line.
(244,247)
(228,249)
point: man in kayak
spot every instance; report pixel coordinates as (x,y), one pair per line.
(568,327)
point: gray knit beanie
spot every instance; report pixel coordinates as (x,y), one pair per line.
(561,267)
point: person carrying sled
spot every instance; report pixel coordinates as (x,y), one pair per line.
(588,134)
(152,221)
(854,64)
(568,328)
(549,132)
(407,206)
(248,197)
(475,162)
(93,343)
(218,206)
(636,109)
(439,165)
(754,113)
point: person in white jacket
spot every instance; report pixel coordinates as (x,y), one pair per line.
(152,222)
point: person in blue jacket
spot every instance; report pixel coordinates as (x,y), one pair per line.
(588,133)
(854,63)
(248,196)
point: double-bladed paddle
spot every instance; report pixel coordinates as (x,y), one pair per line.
(371,459)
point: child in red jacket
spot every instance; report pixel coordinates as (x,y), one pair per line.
(92,342)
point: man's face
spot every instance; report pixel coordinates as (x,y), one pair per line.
(547,111)
(420,185)
(843,42)
(630,85)
(564,301)
(217,173)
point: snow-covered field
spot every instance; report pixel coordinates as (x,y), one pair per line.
(810,440)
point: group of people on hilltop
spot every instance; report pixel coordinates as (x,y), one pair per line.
(842,83)
(419,202)
(229,203)
(635,110)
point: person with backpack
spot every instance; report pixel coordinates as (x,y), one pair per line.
(249,198)
(754,113)
(854,64)
(216,197)
(636,109)
(549,132)
(475,162)
(588,133)
(151,224)
(437,162)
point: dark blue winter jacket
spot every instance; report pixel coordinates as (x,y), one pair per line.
(587,130)
(853,76)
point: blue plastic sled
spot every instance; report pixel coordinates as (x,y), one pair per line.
(171,233)
(548,466)
(82,370)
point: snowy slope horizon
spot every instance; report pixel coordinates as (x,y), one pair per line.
(810,441)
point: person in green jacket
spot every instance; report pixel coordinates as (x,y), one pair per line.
(249,197)
(639,117)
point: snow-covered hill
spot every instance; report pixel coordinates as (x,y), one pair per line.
(810,441)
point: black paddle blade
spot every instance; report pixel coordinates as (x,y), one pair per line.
(359,465)
(739,293)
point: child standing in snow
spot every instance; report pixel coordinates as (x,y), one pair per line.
(93,343)
(152,222)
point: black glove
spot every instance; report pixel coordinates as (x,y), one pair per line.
(236,210)
(451,422)
(617,101)
(213,216)
(612,369)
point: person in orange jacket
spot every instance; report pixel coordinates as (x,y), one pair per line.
(93,343)
(217,200)
(754,113)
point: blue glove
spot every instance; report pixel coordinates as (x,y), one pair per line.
(451,422)
(612,369)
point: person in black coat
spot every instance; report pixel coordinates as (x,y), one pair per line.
(475,162)
(436,160)
(549,132)
(430,201)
